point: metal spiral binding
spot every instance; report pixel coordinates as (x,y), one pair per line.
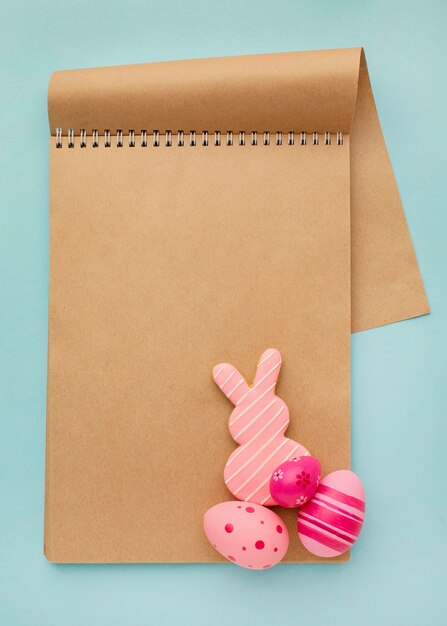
(205,138)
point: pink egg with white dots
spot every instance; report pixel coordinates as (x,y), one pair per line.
(294,482)
(247,534)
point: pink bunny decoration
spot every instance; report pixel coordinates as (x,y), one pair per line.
(258,423)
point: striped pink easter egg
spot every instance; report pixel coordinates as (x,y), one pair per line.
(331,522)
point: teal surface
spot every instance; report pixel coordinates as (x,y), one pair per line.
(397,575)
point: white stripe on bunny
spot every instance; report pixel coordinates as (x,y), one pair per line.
(254,438)
(259,450)
(251,405)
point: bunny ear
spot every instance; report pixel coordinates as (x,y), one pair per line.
(230,381)
(268,368)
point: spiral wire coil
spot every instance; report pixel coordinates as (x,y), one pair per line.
(215,138)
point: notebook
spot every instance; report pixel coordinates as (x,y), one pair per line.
(200,212)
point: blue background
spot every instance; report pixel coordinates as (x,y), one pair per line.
(397,574)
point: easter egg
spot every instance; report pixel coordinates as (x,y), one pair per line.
(247,534)
(294,482)
(331,522)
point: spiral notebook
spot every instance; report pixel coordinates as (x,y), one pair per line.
(200,212)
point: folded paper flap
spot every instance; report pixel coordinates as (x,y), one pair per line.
(297,91)
(386,282)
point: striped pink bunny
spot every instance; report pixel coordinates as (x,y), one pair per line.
(258,423)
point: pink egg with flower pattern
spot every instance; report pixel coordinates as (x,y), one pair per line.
(247,534)
(294,482)
(331,522)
